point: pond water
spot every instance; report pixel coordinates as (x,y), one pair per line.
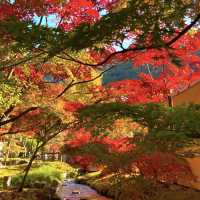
(70,190)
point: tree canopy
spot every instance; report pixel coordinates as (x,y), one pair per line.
(80,25)
(53,54)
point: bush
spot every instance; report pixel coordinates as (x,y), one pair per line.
(186,119)
(163,167)
(44,176)
(181,119)
(155,116)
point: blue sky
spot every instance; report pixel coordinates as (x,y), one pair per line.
(52,20)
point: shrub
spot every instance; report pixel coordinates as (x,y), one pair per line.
(155,116)
(181,119)
(46,175)
(186,119)
(162,167)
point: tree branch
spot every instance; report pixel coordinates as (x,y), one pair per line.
(2,67)
(18,116)
(70,58)
(168,44)
(40,22)
(82,82)
(9,110)
(61,129)
(184,31)
(14,132)
(66,88)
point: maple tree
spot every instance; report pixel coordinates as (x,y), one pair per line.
(75,16)
(151,154)
(45,127)
(155,167)
(59,66)
(82,19)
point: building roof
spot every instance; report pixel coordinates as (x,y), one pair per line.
(190,86)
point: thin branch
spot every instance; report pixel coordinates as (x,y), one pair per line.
(61,19)
(58,132)
(184,31)
(86,81)
(9,110)
(20,62)
(18,116)
(10,74)
(70,58)
(66,88)
(40,22)
(46,20)
(14,132)
(168,44)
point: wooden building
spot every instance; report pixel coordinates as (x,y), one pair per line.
(186,96)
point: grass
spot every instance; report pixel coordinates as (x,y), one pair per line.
(41,173)
(17,169)
(10,171)
(91,175)
(14,159)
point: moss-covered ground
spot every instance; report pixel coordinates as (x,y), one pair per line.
(122,187)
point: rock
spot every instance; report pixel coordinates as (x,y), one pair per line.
(174,187)
(55,183)
(81,171)
(21,162)
(65,184)
(39,184)
(77,191)
(89,197)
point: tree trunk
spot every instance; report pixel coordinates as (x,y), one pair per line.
(42,154)
(8,150)
(38,147)
(28,168)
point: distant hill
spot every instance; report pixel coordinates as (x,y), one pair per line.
(124,71)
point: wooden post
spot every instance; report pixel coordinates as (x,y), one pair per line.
(170,101)
(6,182)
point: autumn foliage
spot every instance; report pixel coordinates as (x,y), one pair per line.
(72,106)
(57,51)
(163,167)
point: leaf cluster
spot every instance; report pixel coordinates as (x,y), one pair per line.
(157,117)
(156,18)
